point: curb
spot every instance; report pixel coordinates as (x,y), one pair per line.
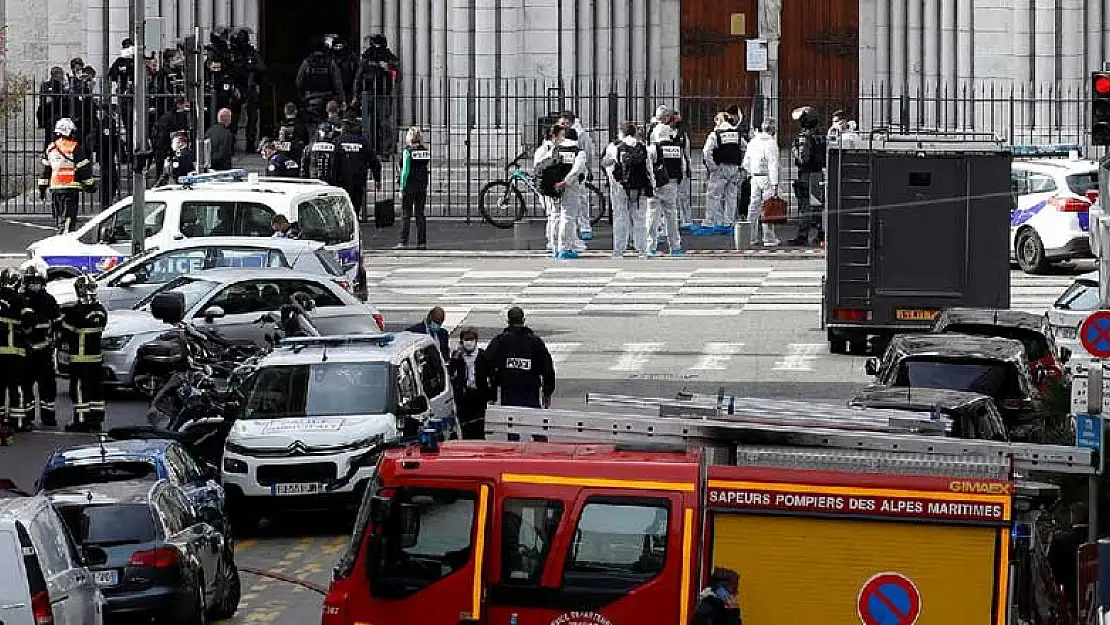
(775,254)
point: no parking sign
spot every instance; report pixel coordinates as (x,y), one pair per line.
(889,599)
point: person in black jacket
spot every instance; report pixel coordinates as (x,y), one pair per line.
(471,383)
(433,326)
(717,604)
(354,159)
(1063,555)
(521,365)
(414,188)
(222,141)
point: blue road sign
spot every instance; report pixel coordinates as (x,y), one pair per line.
(889,599)
(1088,431)
(1094,334)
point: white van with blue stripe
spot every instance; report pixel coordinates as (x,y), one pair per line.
(229,203)
(1053,191)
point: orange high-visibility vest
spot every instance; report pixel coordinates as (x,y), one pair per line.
(59,157)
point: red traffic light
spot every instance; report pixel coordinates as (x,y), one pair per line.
(1102,84)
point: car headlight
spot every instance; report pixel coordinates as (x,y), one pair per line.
(115,343)
(231,465)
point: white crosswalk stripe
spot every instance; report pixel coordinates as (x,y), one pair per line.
(717,356)
(799,357)
(635,356)
(674,292)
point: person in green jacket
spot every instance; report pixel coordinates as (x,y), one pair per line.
(414,188)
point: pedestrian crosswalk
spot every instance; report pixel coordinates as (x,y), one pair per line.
(620,289)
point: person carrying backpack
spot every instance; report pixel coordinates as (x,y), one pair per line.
(560,166)
(630,185)
(722,154)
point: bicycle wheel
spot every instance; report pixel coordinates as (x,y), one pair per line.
(598,203)
(501,204)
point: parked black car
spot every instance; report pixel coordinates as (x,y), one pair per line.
(971,415)
(994,367)
(152,557)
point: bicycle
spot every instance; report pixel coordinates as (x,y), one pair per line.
(508,207)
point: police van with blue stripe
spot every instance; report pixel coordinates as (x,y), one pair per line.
(222,204)
(1053,191)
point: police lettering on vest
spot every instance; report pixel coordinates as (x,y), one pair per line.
(520,364)
(671,155)
(730,148)
(351,147)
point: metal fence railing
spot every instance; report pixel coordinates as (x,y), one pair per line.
(475,127)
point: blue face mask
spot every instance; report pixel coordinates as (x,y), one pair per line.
(433,326)
(722,593)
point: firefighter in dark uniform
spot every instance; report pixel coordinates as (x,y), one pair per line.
(40,316)
(11,355)
(278,164)
(66,170)
(319,159)
(520,365)
(354,160)
(82,328)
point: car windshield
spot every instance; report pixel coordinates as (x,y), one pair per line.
(330,261)
(326,218)
(1081,295)
(323,389)
(1036,345)
(1080,184)
(114,524)
(987,377)
(194,289)
(69,476)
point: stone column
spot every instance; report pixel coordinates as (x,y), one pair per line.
(458,63)
(898,45)
(223,13)
(669,43)
(770,20)
(949,85)
(915,66)
(1093,52)
(1071,81)
(205,18)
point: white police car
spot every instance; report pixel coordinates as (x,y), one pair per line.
(230,203)
(315,405)
(1051,217)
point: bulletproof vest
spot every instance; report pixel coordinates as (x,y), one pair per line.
(670,153)
(321,161)
(730,147)
(83,326)
(282,166)
(41,312)
(420,158)
(317,75)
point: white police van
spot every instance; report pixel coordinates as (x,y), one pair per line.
(314,405)
(1053,191)
(228,203)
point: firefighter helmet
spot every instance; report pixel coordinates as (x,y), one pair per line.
(33,275)
(806,116)
(85,287)
(65,127)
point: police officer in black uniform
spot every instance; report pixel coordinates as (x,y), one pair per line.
(110,153)
(319,160)
(82,328)
(248,67)
(12,355)
(40,316)
(180,162)
(221,85)
(319,81)
(355,158)
(808,149)
(278,164)
(521,365)
(293,132)
(347,62)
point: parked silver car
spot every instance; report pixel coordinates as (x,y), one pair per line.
(230,302)
(125,284)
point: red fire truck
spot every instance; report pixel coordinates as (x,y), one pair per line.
(582,518)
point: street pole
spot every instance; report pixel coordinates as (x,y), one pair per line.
(1095,379)
(139,122)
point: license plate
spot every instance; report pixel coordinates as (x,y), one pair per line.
(296,489)
(914,314)
(106,578)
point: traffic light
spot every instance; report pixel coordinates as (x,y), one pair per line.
(1100,108)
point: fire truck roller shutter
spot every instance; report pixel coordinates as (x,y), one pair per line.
(794,566)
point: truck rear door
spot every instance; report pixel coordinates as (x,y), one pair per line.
(591,556)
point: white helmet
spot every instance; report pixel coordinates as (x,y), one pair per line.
(65,127)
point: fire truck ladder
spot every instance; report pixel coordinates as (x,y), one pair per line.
(739,425)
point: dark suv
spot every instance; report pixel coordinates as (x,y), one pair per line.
(971,415)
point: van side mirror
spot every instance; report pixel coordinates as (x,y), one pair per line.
(871,367)
(212,313)
(127,279)
(408,525)
(168,307)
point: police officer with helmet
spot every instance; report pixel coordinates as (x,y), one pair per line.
(808,149)
(248,67)
(521,365)
(278,164)
(40,317)
(12,355)
(356,158)
(82,328)
(319,160)
(319,81)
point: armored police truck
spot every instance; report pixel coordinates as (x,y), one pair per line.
(915,224)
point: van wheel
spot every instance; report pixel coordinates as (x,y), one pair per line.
(1030,252)
(837,344)
(198,614)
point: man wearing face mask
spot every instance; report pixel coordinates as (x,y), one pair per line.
(717,604)
(470,380)
(433,327)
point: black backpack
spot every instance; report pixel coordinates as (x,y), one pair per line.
(547,174)
(631,170)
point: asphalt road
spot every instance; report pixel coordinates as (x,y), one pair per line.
(648,328)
